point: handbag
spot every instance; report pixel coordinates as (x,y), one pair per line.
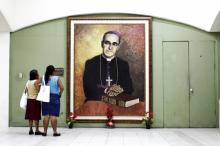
(23,101)
(44,93)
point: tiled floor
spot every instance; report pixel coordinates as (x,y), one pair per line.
(113,137)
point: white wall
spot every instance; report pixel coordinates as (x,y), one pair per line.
(216,24)
(4,27)
(4,80)
(6,10)
(197,13)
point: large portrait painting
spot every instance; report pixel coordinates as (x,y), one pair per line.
(109,67)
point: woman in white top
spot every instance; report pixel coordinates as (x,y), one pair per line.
(33,110)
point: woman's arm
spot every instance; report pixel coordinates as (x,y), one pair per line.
(37,84)
(60,84)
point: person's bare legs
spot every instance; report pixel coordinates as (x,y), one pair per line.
(54,125)
(46,123)
(37,131)
(30,123)
(36,125)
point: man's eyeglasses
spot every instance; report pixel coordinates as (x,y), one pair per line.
(113,43)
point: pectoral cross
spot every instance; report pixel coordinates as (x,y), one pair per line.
(108,80)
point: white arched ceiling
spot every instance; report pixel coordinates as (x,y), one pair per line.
(197,13)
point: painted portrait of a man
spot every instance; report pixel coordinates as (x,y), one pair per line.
(109,62)
(106,69)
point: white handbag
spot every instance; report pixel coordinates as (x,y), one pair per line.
(23,101)
(44,93)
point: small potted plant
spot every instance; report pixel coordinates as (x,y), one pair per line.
(109,114)
(147,119)
(71,120)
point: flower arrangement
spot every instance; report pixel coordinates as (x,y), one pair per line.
(109,114)
(71,120)
(147,119)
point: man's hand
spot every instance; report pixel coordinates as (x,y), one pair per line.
(114,90)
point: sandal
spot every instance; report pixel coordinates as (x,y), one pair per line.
(31,132)
(38,133)
(56,134)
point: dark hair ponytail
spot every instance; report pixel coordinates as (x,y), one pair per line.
(49,71)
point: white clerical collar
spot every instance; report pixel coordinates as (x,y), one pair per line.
(108,59)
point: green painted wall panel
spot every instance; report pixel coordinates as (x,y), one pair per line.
(157,82)
(217,71)
(35,47)
(202,84)
(164,30)
(176,84)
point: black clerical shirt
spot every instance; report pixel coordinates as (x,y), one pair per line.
(98,69)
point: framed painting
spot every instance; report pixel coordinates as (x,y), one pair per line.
(109,67)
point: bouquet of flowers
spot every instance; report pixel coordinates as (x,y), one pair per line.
(109,114)
(147,119)
(71,120)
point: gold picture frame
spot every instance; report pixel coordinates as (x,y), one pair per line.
(84,36)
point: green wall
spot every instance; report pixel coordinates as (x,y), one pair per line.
(43,44)
(35,47)
(164,30)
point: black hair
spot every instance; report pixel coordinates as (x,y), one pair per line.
(111,32)
(49,71)
(33,74)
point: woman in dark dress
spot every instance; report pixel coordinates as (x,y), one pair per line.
(33,110)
